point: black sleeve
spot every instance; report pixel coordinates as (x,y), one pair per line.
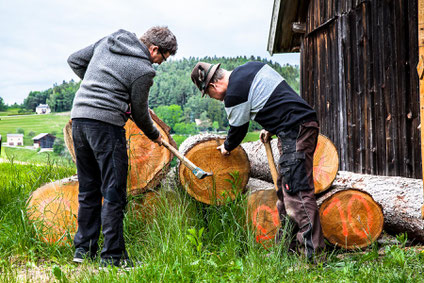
(235,136)
(140,106)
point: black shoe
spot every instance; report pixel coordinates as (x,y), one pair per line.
(126,264)
(81,254)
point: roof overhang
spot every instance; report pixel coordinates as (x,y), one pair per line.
(288,24)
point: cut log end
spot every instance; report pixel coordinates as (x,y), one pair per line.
(351,219)
(230,173)
(262,213)
(54,208)
(326,164)
(148,161)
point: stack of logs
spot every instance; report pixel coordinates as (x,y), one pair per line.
(352,206)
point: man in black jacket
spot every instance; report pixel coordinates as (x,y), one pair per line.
(116,72)
(254,91)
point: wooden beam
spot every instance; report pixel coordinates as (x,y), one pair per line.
(420,70)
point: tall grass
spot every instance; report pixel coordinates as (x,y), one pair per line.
(178,239)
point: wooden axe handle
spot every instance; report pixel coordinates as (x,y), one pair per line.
(181,157)
(271,163)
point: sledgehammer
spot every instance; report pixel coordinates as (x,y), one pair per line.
(199,173)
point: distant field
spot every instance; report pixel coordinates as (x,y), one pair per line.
(48,123)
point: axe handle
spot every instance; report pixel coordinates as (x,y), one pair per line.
(271,163)
(181,157)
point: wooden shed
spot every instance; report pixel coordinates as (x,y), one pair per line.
(359,71)
(44,140)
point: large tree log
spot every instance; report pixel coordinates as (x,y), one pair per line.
(342,216)
(148,162)
(230,173)
(326,162)
(54,209)
(401,199)
(350,218)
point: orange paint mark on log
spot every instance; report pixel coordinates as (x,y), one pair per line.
(370,219)
(263,234)
(336,202)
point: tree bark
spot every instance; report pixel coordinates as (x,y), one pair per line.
(326,162)
(230,173)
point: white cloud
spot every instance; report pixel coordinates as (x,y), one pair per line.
(38,36)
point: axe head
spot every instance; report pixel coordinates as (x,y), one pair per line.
(200,174)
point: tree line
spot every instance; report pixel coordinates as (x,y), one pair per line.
(173,96)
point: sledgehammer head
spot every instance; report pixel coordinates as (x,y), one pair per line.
(200,174)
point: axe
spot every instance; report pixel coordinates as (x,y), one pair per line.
(199,173)
(271,163)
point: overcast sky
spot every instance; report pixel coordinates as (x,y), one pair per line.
(37,36)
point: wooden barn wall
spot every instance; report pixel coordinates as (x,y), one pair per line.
(358,70)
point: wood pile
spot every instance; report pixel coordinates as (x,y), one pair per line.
(354,208)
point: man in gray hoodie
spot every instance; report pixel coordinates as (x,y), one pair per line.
(116,72)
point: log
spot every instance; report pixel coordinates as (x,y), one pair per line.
(348,205)
(148,162)
(230,173)
(53,208)
(401,200)
(67,134)
(350,218)
(326,162)
(262,213)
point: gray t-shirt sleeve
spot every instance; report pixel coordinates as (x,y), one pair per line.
(140,106)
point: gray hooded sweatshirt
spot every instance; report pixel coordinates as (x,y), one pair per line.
(115,72)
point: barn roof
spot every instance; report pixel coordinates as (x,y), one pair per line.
(287,25)
(40,136)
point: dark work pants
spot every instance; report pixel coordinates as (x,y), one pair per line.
(296,199)
(102,165)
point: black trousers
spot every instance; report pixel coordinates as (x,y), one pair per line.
(102,166)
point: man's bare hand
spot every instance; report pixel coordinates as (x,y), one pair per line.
(158,140)
(265,136)
(222,149)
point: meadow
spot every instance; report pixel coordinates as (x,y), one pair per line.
(47,123)
(181,240)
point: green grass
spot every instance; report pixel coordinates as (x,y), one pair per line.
(48,123)
(35,157)
(183,241)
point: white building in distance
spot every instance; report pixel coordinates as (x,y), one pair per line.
(15,139)
(43,109)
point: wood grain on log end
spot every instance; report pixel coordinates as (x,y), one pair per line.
(67,134)
(262,211)
(351,219)
(326,164)
(230,173)
(148,161)
(54,209)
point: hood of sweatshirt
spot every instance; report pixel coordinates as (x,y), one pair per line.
(126,43)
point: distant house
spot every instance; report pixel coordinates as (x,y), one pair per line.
(43,109)
(43,140)
(15,139)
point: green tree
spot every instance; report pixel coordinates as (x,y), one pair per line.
(3,106)
(169,114)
